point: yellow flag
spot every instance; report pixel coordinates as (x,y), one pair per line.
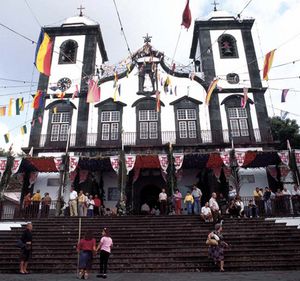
(11,100)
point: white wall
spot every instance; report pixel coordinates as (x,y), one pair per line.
(110,179)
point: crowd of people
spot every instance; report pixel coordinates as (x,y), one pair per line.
(33,204)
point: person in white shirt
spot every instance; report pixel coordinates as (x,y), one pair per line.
(214,207)
(197,194)
(73,202)
(90,206)
(206,214)
(162,198)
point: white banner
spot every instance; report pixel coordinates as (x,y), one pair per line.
(178,160)
(57,162)
(33,176)
(3,161)
(284,157)
(129,162)
(164,162)
(114,161)
(73,163)
(240,157)
(16,165)
(225,158)
(297,156)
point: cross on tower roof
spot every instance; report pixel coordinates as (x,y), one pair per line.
(215,5)
(147,39)
(81,8)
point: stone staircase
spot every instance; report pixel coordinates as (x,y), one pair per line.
(157,244)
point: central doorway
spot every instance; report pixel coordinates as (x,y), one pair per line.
(149,194)
(147,188)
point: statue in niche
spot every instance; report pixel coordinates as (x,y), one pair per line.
(147,78)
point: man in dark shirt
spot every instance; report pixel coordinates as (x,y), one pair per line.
(267,201)
(26,238)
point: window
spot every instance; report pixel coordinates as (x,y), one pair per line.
(68,52)
(247,178)
(227,46)
(238,122)
(60,123)
(187,123)
(53,182)
(110,125)
(148,124)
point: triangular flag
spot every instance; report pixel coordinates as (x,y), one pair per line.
(186,16)
(23,130)
(6,138)
(40,119)
(93,94)
(75,94)
(283,114)
(245,98)
(10,106)
(268,64)
(19,105)
(211,88)
(2,110)
(61,95)
(38,100)
(55,110)
(283,94)
(157,101)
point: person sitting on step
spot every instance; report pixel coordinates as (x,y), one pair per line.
(206,214)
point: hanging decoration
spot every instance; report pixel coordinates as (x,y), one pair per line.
(186,16)
(268,64)
(284,94)
(23,130)
(217,172)
(136,174)
(6,137)
(178,160)
(245,98)
(297,156)
(33,177)
(38,100)
(157,101)
(114,161)
(11,100)
(284,157)
(16,165)
(19,105)
(43,53)
(3,161)
(73,163)
(58,161)
(129,162)
(240,157)
(284,171)
(93,94)
(76,92)
(2,110)
(164,162)
(210,90)
(272,170)
(225,157)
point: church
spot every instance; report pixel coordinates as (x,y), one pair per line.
(126,131)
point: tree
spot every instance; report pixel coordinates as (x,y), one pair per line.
(283,130)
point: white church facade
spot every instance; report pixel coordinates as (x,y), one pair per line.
(149,106)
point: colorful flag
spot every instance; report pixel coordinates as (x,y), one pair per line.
(61,95)
(93,94)
(38,100)
(116,79)
(211,88)
(40,119)
(55,110)
(186,16)
(157,101)
(43,53)
(115,93)
(10,106)
(6,138)
(23,130)
(2,110)
(19,105)
(268,64)
(245,98)
(283,94)
(75,94)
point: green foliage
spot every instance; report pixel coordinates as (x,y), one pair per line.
(283,130)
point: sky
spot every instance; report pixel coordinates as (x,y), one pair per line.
(276,27)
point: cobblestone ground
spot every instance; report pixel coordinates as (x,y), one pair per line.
(214,276)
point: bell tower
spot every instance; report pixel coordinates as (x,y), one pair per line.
(223,48)
(78,48)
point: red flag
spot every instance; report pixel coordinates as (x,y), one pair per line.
(157,101)
(245,98)
(186,16)
(94,92)
(268,64)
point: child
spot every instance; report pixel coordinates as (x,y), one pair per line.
(189,200)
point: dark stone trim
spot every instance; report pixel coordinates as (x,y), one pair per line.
(80,30)
(58,102)
(89,60)
(240,96)
(110,100)
(145,99)
(186,98)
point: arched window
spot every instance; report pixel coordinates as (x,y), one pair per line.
(227,46)
(68,52)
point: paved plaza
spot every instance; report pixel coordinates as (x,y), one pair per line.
(207,276)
